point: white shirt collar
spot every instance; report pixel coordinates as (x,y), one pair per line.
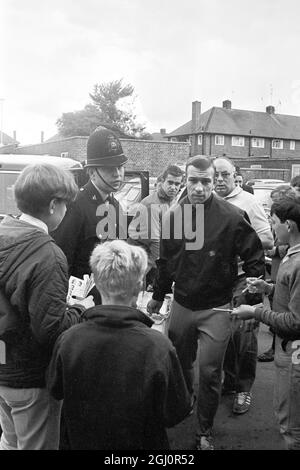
(234,192)
(33,221)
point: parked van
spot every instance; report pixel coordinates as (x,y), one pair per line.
(134,188)
(11,166)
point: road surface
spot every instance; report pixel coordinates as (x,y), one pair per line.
(255,430)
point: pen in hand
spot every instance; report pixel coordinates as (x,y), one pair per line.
(222,310)
(246,288)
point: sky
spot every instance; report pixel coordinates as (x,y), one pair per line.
(172,52)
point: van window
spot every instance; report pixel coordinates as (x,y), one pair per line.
(7,203)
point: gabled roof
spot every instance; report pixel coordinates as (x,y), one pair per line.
(54,138)
(158,136)
(186,129)
(245,123)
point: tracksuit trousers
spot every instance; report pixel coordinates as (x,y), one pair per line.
(212,329)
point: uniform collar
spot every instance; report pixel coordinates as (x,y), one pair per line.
(98,196)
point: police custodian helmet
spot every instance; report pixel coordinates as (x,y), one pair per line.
(104,149)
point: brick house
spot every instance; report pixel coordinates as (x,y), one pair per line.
(250,138)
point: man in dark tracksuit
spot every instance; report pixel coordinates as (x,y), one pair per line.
(204,279)
(81,228)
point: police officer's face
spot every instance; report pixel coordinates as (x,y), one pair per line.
(110,178)
(199,184)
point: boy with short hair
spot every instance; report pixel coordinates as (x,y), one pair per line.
(121,381)
(33,310)
(284,319)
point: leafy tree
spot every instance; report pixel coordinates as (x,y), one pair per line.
(104,110)
(81,122)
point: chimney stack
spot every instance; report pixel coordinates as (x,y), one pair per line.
(196,113)
(42,136)
(14,135)
(270,109)
(227,104)
(163,131)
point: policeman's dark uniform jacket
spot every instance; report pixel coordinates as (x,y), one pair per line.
(77,233)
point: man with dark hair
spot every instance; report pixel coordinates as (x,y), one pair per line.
(204,275)
(77,234)
(284,318)
(239,181)
(145,228)
(276,254)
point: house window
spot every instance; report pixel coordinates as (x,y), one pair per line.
(259,143)
(200,139)
(277,144)
(219,140)
(173,139)
(292,145)
(237,141)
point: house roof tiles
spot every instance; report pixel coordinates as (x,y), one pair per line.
(245,123)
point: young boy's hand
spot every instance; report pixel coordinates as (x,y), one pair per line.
(88,302)
(244,312)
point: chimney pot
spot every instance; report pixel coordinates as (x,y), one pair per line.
(226,104)
(270,109)
(15,135)
(42,136)
(196,114)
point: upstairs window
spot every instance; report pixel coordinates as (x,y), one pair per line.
(292,145)
(237,141)
(199,139)
(258,143)
(219,140)
(277,144)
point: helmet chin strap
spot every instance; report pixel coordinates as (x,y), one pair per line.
(105,182)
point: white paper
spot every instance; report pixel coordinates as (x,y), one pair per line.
(79,288)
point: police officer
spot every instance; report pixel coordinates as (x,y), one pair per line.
(79,231)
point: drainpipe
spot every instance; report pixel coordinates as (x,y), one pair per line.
(250,137)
